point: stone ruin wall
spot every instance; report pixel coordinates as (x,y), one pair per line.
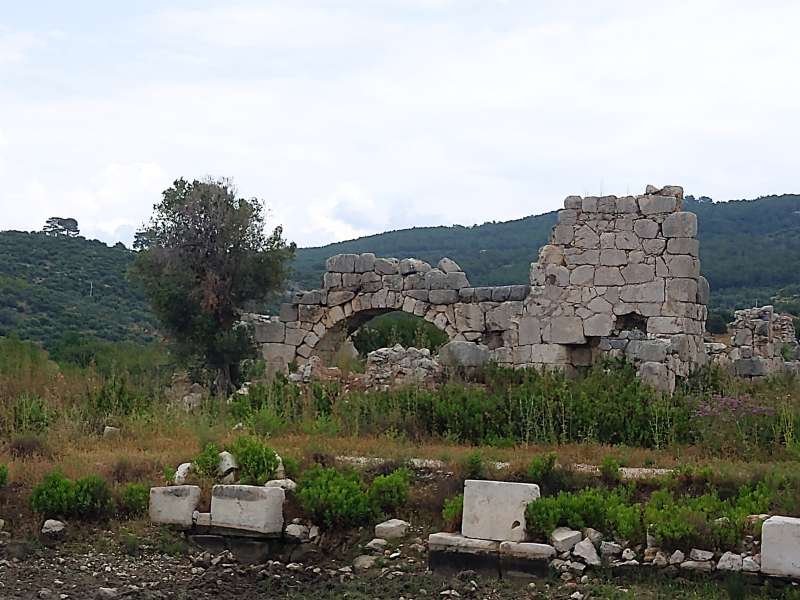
(762,342)
(620,277)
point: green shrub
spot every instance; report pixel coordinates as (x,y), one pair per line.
(207,462)
(30,414)
(54,496)
(542,467)
(3,475)
(92,498)
(543,516)
(134,499)
(452,512)
(609,470)
(390,492)
(473,466)
(333,498)
(291,466)
(257,461)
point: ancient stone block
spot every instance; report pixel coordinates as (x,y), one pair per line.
(682,266)
(454,542)
(549,354)
(455,280)
(295,336)
(655,246)
(501,293)
(364,262)
(638,273)
(666,325)
(340,297)
(564,330)
(530,331)
(586,238)
(269,331)
(174,505)
(608,276)
(645,228)
(651,205)
(681,290)
(341,263)
(435,280)
(495,510)
(386,266)
(643,292)
(647,350)
(681,245)
(463,354)
(518,292)
(627,240)
(248,508)
(443,296)
(573,202)
(589,204)
(408,266)
(703,290)
(657,376)
(563,234)
(598,325)
(586,257)
(469,317)
(582,275)
(331,280)
(499,318)
(680,225)
(613,258)
(278,354)
(780,546)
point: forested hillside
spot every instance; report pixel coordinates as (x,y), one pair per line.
(52,284)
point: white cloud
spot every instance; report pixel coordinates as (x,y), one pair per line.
(350,120)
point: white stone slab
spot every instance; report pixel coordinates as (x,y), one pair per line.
(248,507)
(174,505)
(780,547)
(453,542)
(495,510)
(527,550)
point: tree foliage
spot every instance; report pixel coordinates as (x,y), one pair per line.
(204,256)
(61,226)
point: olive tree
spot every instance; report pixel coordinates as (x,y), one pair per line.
(204,255)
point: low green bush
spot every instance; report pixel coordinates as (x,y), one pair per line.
(452,512)
(3,475)
(333,498)
(609,470)
(389,492)
(257,461)
(207,462)
(473,466)
(542,467)
(134,499)
(92,498)
(54,496)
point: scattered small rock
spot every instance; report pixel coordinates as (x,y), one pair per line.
(55,530)
(392,529)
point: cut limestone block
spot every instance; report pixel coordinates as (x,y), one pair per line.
(521,559)
(495,510)
(248,508)
(452,552)
(174,505)
(780,547)
(565,539)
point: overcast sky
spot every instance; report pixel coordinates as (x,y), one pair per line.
(351,118)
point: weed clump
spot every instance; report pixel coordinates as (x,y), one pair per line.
(134,499)
(452,512)
(207,462)
(3,475)
(54,496)
(333,498)
(389,492)
(92,498)
(257,461)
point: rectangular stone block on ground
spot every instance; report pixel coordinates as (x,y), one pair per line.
(780,547)
(520,559)
(495,510)
(452,552)
(174,505)
(248,507)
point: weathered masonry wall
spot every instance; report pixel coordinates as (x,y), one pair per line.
(620,277)
(762,343)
